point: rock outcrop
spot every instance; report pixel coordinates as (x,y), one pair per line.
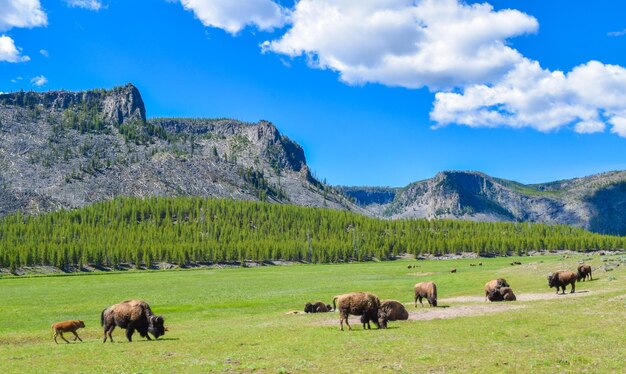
(67,149)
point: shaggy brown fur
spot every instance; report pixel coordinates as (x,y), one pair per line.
(318,307)
(362,304)
(501,294)
(67,326)
(583,272)
(427,290)
(493,284)
(132,315)
(561,279)
(393,310)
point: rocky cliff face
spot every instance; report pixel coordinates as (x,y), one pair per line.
(67,149)
(115,106)
(597,203)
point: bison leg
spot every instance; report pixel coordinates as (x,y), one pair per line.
(573,287)
(129,333)
(348,324)
(109,331)
(76,336)
(62,337)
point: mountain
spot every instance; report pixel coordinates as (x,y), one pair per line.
(596,203)
(63,149)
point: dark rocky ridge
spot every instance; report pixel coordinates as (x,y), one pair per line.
(67,149)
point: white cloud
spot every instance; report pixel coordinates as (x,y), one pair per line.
(85,4)
(588,97)
(21,13)
(9,52)
(619,125)
(39,80)
(234,15)
(44,53)
(617,33)
(433,43)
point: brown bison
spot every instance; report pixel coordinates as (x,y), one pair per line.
(426,290)
(318,307)
(494,284)
(453,270)
(132,315)
(67,326)
(393,310)
(501,294)
(362,304)
(561,279)
(583,272)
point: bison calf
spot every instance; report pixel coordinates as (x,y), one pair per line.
(583,272)
(426,290)
(362,304)
(67,326)
(561,279)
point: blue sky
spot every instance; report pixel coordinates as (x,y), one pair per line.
(482,91)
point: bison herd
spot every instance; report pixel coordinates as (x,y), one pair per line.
(370,309)
(136,315)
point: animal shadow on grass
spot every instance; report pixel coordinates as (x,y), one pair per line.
(567,293)
(442,306)
(147,341)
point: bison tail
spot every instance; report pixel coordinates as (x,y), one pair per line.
(334,302)
(102,317)
(434,291)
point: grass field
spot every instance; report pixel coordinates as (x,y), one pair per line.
(234,320)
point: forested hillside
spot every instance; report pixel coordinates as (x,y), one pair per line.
(185,229)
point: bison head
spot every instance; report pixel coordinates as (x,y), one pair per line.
(329,307)
(552,280)
(383,318)
(308,308)
(155,326)
(502,283)
(81,323)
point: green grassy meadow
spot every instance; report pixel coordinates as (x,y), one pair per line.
(233,319)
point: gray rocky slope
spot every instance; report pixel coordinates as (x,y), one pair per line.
(67,149)
(64,149)
(596,203)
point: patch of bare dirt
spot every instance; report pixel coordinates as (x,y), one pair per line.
(428,313)
(520,297)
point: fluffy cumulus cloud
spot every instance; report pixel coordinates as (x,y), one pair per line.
(21,13)
(234,15)
(39,80)
(587,98)
(85,4)
(9,52)
(18,13)
(435,43)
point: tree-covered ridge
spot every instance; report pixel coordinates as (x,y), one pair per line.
(187,229)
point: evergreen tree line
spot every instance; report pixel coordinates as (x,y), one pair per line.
(189,229)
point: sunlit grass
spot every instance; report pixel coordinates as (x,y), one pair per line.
(234,319)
